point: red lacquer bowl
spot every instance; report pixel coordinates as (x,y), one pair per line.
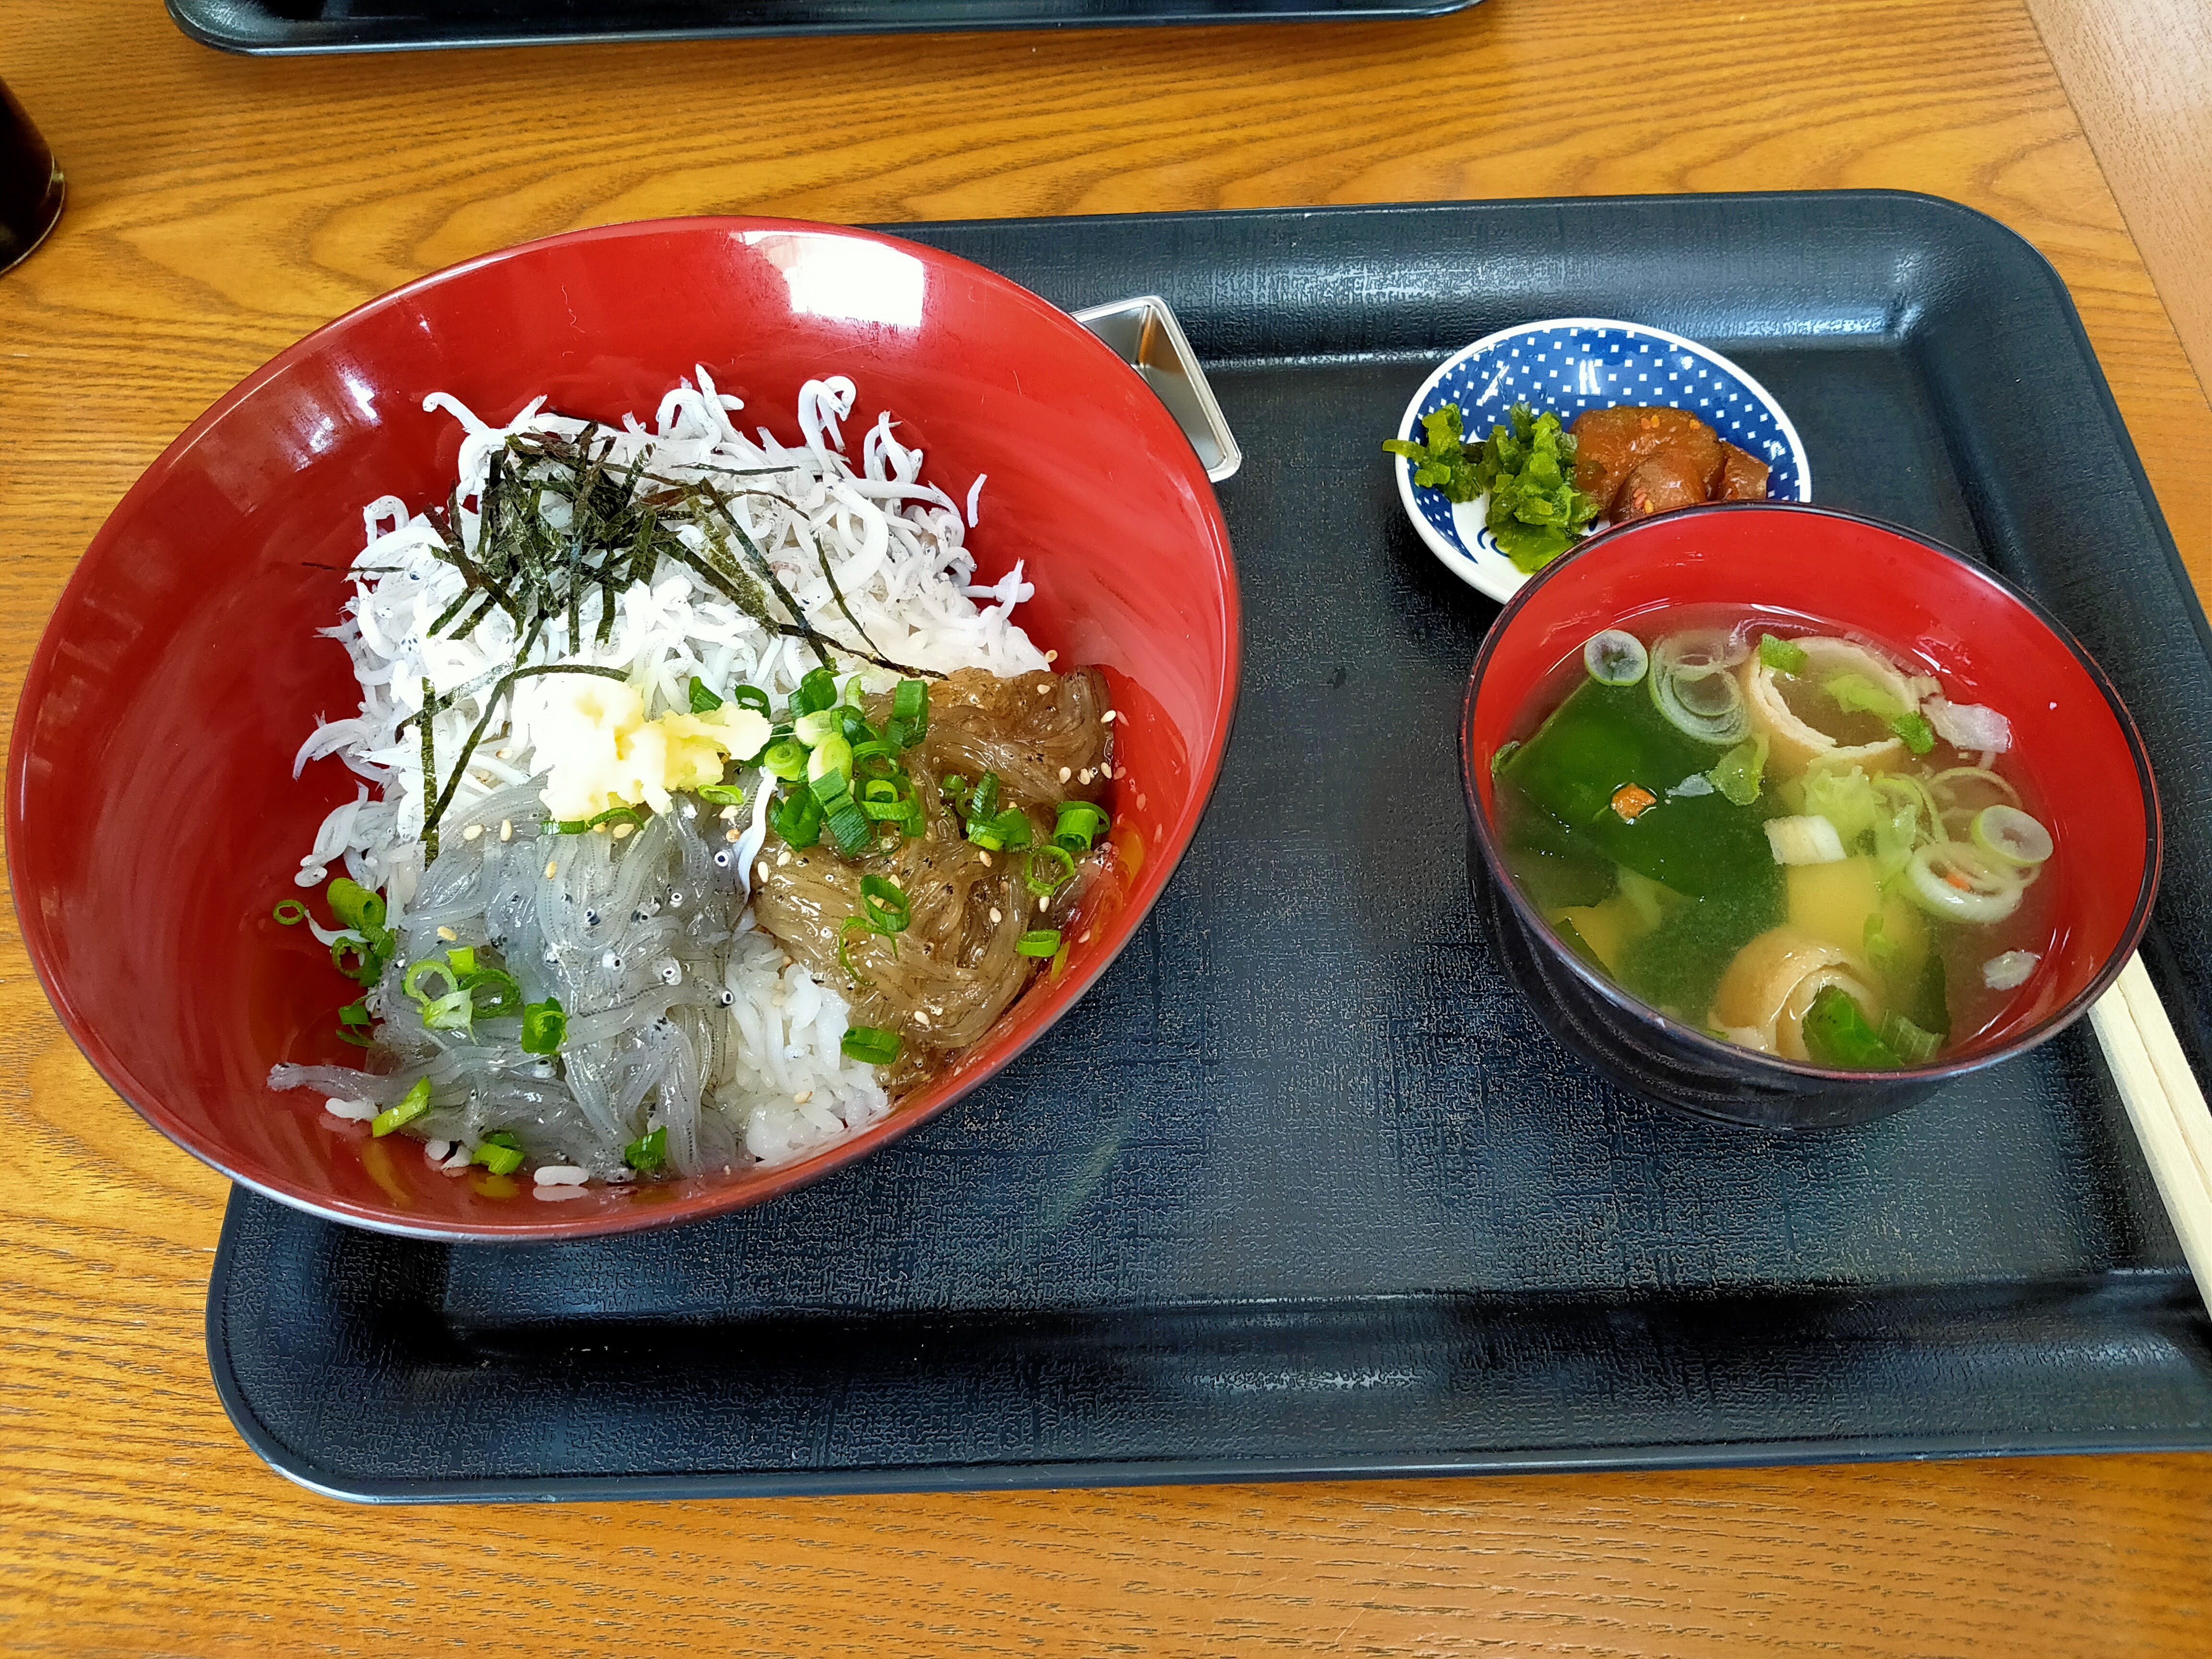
(153,821)
(1988,642)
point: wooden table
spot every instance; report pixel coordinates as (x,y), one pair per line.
(221,207)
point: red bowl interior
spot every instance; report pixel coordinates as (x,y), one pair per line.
(1991,644)
(152,817)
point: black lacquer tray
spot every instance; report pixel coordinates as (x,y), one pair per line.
(284,28)
(1302,1188)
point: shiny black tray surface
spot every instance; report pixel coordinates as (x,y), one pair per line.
(284,28)
(1301,1188)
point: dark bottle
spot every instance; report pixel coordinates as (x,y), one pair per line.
(31,185)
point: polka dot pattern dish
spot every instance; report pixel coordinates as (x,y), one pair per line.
(1568,365)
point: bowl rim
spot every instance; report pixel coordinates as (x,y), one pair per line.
(149,1102)
(1732,1055)
(1483,572)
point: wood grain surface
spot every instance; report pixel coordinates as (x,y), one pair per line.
(221,207)
(2140,75)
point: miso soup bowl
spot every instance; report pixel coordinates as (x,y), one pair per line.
(1990,643)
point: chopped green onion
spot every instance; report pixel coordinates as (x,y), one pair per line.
(871,1044)
(812,729)
(752,698)
(412,1105)
(797,818)
(1783,656)
(365,970)
(874,758)
(910,720)
(354,905)
(849,828)
(2011,834)
(499,1153)
(1695,693)
(568,826)
(545,1027)
(628,815)
(786,758)
(648,1153)
(832,756)
(984,800)
(854,725)
(1009,829)
(722,794)
(1080,824)
(1616,657)
(506,990)
(454,1012)
(290,912)
(354,1013)
(1039,942)
(412,985)
(845,951)
(464,958)
(817,691)
(888,910)
(1048,870)
(704,701)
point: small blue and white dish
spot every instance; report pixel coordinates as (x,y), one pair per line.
(1568,365)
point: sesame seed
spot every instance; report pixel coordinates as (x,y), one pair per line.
(802,1096)
(995,915)
(472,832)
(551,869)
(622,829)
(1085,939)
(985,857)
(729,814)
(599,829)
(1107,719)
(1141,802)
(499,754)
(921,1017)
(1044,688)
(1052,656)
(761,874)
(1087,774)
(447,933)
(1065,773)
(734,835)
(783,857)
(507,829)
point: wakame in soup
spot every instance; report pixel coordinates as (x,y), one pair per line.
(1779,834)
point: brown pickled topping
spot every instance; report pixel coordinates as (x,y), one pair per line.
(1635,460)
(956,969)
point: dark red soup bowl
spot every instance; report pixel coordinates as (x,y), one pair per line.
(2072,741)
(153,820)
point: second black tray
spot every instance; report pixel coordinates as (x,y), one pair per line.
(286,27)
(1301,1187)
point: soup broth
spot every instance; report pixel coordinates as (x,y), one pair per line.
(1781,833)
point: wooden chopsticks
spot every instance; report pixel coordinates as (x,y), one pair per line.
(2165,1106)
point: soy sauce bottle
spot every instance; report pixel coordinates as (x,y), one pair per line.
(31,184)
